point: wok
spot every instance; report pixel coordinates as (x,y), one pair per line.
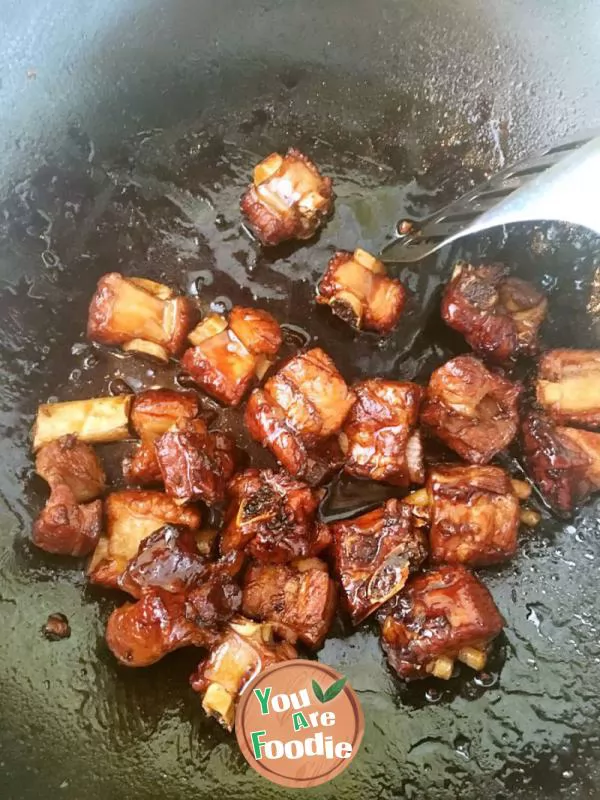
(128,131)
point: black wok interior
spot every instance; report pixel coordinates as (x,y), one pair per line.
(128,131)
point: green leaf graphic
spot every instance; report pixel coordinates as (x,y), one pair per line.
(318,692)
(333,691)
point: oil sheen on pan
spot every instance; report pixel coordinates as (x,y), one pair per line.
(167,209)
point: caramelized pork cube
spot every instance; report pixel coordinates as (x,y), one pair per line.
(141,468)
(267,424)
(272,517)
(153,412)
(380,436)
(141,633)
(312,394)
(139,315)
(174,559)
(299,597)
(374,555)
(258,331)
(287,199)
(441,615)
(169,560)
(70,462)
(195,464)
(299,409)
(246,649)
(67,527)
(471,409)
(69,524)
(499,316)
(214,601)
(357,289)
(98,420)
(568,386)
(228,355)
(564,462)
(131,516)
(474,515)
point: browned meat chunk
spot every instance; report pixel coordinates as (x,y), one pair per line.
(227,356)
(170,559)
(564,462)
(258,331)
(141,633)
(153,412)
(374,554)
(131,516)
(140,315)
(273,517)
(471,409)
(66,527)
(266,422)
(69,462)
(195,464)
(299,597)
(312,394)
(380,436)
(568,386)
(357,289)
(299,409)
(141,468)
(68,524)
(474,516)
(246,649)
(183,598)
(499,316)
(288,198)
(214,601)
(440,616)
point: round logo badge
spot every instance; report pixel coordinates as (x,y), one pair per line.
(299,723)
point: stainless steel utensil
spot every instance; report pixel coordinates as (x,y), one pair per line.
(560,184)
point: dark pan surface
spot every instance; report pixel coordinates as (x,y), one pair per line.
(147,180)
(171,211)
